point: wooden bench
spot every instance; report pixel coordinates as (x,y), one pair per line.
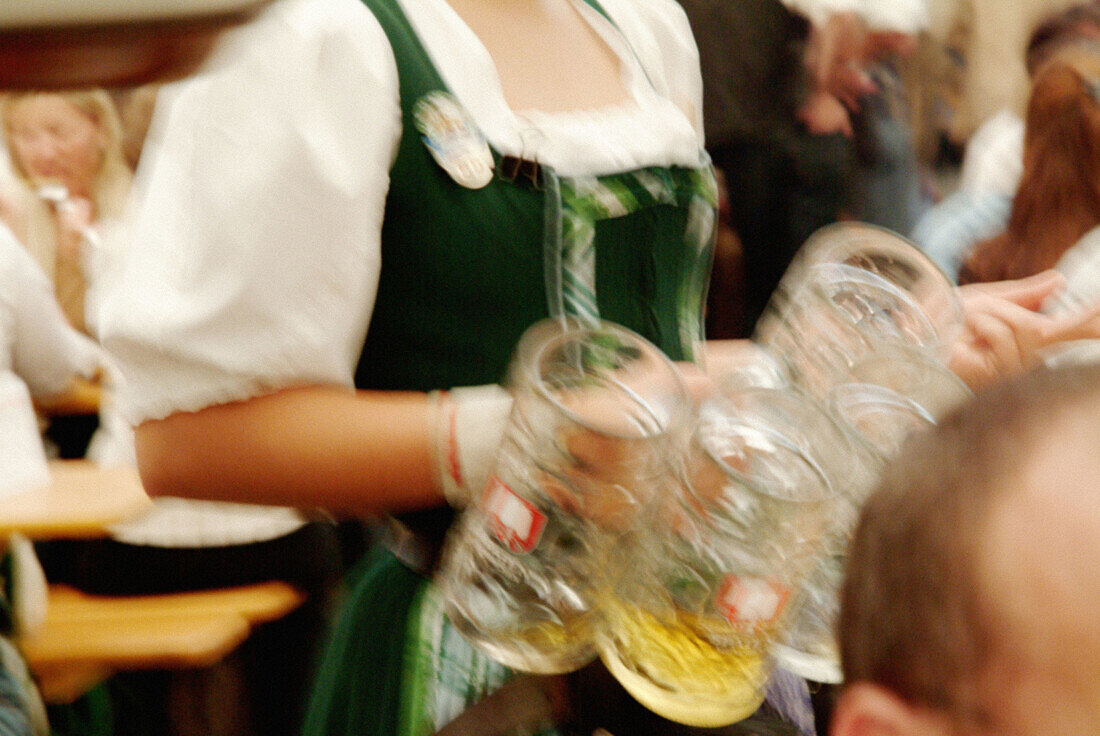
(86,638)
(81,500)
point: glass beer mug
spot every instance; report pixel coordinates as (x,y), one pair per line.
(596,412)
(688,629)
(852,290)
(877,420)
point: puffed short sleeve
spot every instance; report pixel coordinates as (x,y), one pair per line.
(254,252)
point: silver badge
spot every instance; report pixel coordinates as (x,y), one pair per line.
(455,143)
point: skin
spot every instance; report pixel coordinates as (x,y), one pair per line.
(531,65)
(1043,567)
(1003,333)
(55,142)
(838,54)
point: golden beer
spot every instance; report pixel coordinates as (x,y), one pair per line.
(545,647)
(690,668)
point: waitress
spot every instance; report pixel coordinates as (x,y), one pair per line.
(414,167)
(355,212)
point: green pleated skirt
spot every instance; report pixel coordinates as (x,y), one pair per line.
(357,691)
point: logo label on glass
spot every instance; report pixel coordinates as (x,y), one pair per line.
(515,521)
(750,602)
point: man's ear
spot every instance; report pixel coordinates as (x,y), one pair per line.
(865,709)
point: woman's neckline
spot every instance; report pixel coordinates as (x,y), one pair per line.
(630,72)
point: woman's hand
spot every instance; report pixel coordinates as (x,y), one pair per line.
(836,55)
(74,220)
(824,114)
(728,363)
(1003,333)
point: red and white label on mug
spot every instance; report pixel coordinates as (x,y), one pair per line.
(515,521)
(750,601)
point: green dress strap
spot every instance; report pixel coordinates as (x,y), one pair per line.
(587,203)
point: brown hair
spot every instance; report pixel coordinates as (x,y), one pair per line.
(1068,26)
(1058,200)
(915,615)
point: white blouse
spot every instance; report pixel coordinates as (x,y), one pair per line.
(256,250)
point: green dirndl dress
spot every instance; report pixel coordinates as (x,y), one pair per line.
(465,272)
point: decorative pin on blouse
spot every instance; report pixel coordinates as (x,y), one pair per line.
(453,139)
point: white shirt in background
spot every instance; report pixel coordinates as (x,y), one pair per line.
(906,16)
(1081,267)
(994,158)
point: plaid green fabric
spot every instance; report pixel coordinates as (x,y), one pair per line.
(576,204)
(443,673)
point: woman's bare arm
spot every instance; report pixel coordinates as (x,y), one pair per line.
(358,453)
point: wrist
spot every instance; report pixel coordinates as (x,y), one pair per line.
(468,428)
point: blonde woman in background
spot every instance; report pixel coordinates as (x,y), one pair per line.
(69,151)
(72,180)
(69,187)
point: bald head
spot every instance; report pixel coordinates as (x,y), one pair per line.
(1040,570)
(974,577)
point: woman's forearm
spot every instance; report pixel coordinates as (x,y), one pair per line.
(352,452)
(358,453)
